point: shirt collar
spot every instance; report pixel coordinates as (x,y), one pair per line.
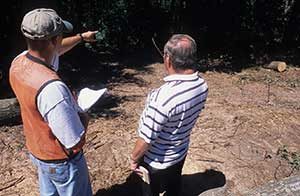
(182,77)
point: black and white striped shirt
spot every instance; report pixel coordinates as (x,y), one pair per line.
(169,116)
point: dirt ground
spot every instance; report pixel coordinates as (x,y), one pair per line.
(248,116)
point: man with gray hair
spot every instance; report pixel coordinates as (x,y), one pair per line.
(170,113)
(54,126)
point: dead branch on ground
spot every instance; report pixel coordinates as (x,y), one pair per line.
(12,183)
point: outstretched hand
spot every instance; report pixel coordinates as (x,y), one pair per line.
(89,36)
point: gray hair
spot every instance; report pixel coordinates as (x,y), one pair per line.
(182,51)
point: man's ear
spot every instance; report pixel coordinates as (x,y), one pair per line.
(168,62)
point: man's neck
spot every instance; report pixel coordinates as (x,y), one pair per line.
(44,56)
(184,72)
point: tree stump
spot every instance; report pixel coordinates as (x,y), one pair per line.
(9,112)
(276,65)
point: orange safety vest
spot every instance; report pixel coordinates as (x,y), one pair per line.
(28,75)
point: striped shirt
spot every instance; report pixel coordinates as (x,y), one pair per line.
(170,113)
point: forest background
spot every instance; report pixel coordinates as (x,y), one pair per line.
(242,33)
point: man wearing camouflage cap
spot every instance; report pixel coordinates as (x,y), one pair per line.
(53,124)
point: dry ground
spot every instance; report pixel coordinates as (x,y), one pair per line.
(248,117)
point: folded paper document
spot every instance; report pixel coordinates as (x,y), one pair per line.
(88,97)
(144,174)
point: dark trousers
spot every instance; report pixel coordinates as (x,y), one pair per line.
(168,179)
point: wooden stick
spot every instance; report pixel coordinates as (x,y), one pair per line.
(17,181)
(157,48)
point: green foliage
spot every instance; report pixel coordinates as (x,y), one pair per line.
(293,158)
(269,21)
(129,24)
(110,18)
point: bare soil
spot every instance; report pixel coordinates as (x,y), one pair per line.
(248,116)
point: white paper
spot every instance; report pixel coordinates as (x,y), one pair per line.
(88,97)
(145,174)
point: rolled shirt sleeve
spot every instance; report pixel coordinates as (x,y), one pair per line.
(59,109)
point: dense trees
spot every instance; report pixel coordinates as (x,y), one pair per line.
(130,24)
(236,26)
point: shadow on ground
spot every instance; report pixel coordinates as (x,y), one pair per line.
(82,68)
(195,184)
(192,184)
(235,60)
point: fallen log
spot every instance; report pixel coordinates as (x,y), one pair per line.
(277,65)
(9,112)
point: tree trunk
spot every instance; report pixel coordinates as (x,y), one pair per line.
(9,112)
(277,65)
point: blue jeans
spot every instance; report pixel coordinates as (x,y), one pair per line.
(69,178)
